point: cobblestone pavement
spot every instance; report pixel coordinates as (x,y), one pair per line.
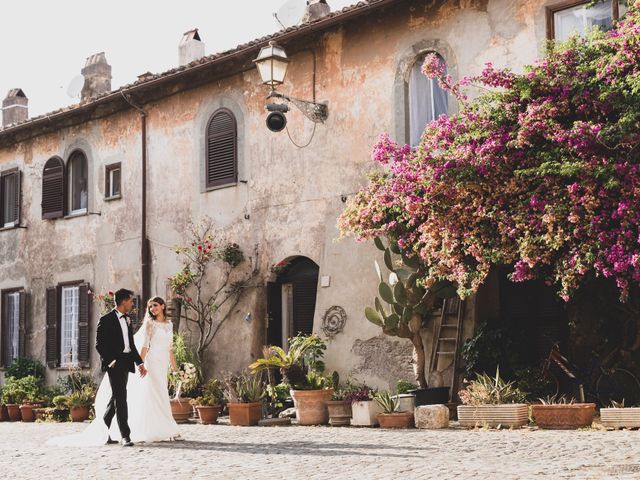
(225,452)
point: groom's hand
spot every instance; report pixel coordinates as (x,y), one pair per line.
(142,370)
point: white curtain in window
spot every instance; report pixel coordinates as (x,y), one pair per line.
(580,19)
(78,182)
(427,101)
(13,324)
(69,326)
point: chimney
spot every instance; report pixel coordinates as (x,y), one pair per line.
(191,48)
(316,9)
(15,107)
(97,77)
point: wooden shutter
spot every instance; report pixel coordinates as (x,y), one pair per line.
(83,325)
(274,314)
(3,180)
(304,306)
(222,149)
(17,198)
(53,189)
(22,323)
(3,331)
(53,315)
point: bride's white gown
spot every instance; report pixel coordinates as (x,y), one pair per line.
(150,417)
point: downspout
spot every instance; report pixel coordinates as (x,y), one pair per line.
(145,263)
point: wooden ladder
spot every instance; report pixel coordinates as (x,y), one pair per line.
(448,335)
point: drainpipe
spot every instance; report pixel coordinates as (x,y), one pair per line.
(145,264)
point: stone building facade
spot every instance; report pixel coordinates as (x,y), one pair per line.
(279,204)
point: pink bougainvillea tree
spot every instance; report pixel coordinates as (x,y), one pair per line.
(542,173)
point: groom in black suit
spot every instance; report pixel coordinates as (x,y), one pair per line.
(114,342)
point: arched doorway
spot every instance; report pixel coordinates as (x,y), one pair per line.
(291,300)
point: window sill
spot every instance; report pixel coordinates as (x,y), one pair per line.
(79,213)
(9,227)
(110,199)
(220,187)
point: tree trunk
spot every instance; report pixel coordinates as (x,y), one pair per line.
(415,325)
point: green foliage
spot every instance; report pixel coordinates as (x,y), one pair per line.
(212,394)
(483,351)
(60,401)
(278,395)
(83,397)
(304,356)
(232,254)
(389,403)
(404,386)
(557,400)
(24,366)
(486,390)
(75,381)
(19,390)
(243,387)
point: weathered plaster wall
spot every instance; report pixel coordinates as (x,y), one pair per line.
(292,196)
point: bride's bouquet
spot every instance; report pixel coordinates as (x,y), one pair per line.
(185,378)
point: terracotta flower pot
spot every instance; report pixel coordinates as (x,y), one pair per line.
(208,414)
(563,417)
(4,415)
(505,415)
(245,414)
(13,410)
(26,412)
(396,420)
(311,406)
(79,414)
(181,410)
(339,412)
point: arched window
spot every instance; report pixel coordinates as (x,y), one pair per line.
(78,182)
(222,149)
(53,188)
(427,101)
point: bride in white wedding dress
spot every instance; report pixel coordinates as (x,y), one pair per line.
(150,415)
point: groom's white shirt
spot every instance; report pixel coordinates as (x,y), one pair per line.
(125,334)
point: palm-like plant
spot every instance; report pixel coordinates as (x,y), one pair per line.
(387,402)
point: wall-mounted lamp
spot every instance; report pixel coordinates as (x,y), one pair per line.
(272,63)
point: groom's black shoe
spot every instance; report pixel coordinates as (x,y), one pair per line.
(110,442)
(126,442)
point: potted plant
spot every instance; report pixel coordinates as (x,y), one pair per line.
(184,380)
(302,368)
(364,410)
(562,413)
(619,416)
(339,407)
(405,395)
(243,393)
(60,410)
(391,417)
(80,402)
(4,415)
(31,391)
(492,402)
(209,404)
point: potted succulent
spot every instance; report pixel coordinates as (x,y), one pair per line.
(302,368)
(243,393)
(79,402)
(492,402)
(391,417)
(209,404)
(363,407)
(619,416)
(339,407)
(184,380)
(562,413)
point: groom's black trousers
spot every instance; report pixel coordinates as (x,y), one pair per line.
(118,376)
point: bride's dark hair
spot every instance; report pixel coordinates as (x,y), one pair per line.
(159,300)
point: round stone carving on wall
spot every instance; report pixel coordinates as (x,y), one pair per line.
(333,321)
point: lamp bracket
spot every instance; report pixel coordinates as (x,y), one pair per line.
(316,112)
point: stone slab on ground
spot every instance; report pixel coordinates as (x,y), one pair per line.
(226,452)
(432,416)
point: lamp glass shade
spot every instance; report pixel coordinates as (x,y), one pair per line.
(272,64)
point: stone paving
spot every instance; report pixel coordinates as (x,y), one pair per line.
(225,452)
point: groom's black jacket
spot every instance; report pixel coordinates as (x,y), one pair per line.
(110,344)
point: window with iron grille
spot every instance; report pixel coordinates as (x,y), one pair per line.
(222,149)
